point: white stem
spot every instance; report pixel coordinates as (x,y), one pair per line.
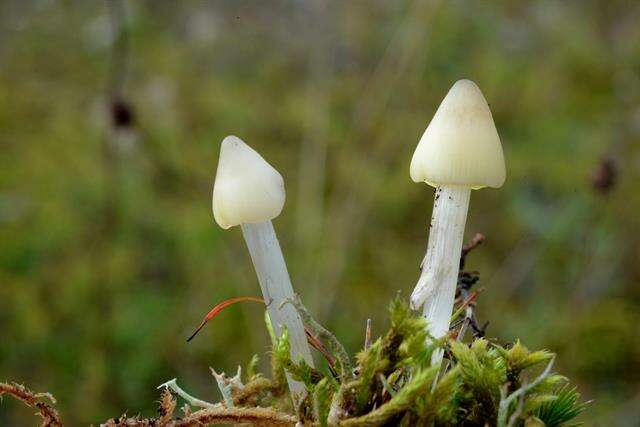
(436,287)
(276,288)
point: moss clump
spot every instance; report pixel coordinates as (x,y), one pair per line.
(393,383)
(390,382)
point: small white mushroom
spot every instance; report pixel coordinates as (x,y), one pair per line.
(249,192)
(247,189)
(459,151)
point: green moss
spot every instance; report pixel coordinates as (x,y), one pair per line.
(394,383)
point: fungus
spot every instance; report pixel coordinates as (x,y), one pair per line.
(249,192)
(460,151)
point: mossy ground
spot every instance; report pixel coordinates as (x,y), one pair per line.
(391,382)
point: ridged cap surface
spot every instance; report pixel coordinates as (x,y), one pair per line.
(461,145)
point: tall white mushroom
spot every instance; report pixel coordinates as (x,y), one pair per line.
(249,192)
(459,151)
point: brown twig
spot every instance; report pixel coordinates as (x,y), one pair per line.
(255,416)
(478,331)
(469,299)
(50,417)
(315,342)
(470,315)
(477,240)
(265,417)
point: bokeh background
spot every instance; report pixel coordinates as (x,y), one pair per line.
(111,115)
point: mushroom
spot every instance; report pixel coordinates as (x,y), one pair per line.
(460,151)
(249,192)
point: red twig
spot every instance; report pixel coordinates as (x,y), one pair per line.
(218,308)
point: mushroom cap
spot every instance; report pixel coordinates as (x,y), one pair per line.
(247,189)
(461,145)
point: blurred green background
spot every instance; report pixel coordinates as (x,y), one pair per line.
(109,255)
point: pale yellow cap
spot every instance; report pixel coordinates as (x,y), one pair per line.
(461,145)
(247,189)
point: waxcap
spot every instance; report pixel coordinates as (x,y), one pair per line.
(247,189)
(461,145)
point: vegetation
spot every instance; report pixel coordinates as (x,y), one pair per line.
(392,383)
(110,125)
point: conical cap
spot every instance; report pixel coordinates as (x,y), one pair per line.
(247,189)
(461,145)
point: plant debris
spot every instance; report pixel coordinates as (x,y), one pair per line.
(50,417)
(219,307)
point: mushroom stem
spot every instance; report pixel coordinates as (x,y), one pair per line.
(275,284)
(436,287)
